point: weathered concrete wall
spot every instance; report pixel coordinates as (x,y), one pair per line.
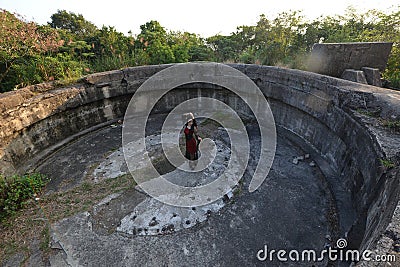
(334,58)
(326,113)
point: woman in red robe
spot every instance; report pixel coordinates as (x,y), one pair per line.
(192,140)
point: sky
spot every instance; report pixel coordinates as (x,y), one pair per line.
(204,17)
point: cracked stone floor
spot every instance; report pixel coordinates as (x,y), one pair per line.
(289,211)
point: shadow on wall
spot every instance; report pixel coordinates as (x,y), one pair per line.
(329,114)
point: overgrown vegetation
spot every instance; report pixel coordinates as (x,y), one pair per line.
(15,191)
(70,46)
(391,124)
(32,222)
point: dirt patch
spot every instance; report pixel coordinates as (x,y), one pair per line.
(32,223)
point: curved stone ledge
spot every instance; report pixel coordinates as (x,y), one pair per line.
(325,113)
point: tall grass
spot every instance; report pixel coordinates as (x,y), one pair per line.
(112,62)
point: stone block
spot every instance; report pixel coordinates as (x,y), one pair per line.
(373,76)
(334,58)
(354,76)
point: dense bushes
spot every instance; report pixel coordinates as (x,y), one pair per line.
(287,39)
(42,68)
(16,190)
(70,46)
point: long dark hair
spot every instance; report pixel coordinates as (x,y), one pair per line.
(194,123)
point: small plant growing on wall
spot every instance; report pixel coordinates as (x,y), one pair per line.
(388,163)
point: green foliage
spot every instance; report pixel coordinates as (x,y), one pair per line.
(70,46)
(288,38)
(225,48)
(188,47)
(109,42)
(152,40)
(20,40)
(151,32)
(112,62)
(391,124)
(370,113)
(200,52)
(73,23)
(80,50)
(42,68)
(160,53)
(16,190)
(387,163)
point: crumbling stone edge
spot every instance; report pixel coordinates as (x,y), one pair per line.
(331,114)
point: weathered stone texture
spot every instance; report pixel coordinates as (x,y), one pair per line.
(334,58)
(354,76)
(322,111)
(372,76)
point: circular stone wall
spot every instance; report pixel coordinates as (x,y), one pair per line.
(348,125)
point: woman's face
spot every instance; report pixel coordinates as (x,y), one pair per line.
(190,122)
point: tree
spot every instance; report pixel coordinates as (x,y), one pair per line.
(111,49)
(276,39)
(109,42)
(73,23)
(19,40)
(78,49)
(70,45)
(224,47)
(153,41)
(150,32)
(188,47)
(387,28)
